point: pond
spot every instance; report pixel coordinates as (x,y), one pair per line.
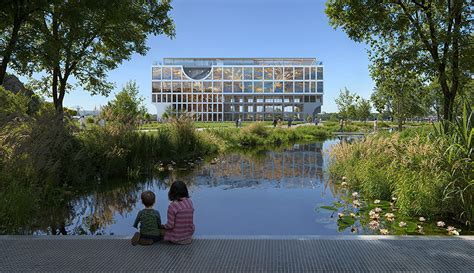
(283,191)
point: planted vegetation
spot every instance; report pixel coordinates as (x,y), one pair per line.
(429,171)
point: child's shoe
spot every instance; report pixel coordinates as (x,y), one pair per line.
(145,242)
(135,238)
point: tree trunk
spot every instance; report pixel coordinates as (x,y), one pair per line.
(448,106)
(9,49)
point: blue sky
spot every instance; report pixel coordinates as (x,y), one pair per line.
(248,28)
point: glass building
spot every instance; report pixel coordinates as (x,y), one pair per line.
(223,89)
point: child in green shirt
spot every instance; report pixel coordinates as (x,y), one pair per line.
(149,220)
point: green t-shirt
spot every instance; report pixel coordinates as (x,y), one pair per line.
(150,222)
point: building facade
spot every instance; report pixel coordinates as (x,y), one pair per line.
(225,89)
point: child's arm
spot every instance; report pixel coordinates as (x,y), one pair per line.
(158,218)
(137,220)
(171,218)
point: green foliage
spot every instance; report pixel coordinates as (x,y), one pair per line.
(345,104)
(412,166)
(85,39)
(431,38)
(126,110)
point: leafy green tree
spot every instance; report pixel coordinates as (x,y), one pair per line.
(382,103)
(401,90)
(432,36)
(346,104)
(83,39)
(14,15)
(363,108)
(126,110)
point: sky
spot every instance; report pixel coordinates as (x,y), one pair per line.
(247,28)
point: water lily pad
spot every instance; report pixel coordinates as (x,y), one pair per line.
(329,208)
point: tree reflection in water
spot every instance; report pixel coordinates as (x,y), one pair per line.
(94,210)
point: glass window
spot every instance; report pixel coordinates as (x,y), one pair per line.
(227,73)
(288,87)
(156,73)
(260,108)
(278,73)
(298,87)
(258,87)
(306,73)
(197,86)
(268,87)
(158,98)
(248,87)
(177,87)
(268,73)
(248,73)
(313,73)
(217,73)
(156,87)
(237,87)
(166,73)
(187,87)
(278,87)
(298,73)
(166,87)
(288,73)
(320,87)
(207,86)
(320,73)
(237,76)
(306,87)
(217,87)
(176,73)
(258,73)
(313,87)
(227,87)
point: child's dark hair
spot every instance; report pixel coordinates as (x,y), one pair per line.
(148,198)
(177,191)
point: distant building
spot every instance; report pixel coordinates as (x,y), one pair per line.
(216,89)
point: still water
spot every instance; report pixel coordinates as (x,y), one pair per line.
(275,192)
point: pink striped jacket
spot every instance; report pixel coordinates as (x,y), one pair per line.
(180,224)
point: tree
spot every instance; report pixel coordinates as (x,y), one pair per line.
(400,90)
(345,104)
(14,15)
(434,36)
(86,38)
(382,103)
(363,108)
(126,110)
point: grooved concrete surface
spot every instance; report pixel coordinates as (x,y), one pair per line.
(221,254)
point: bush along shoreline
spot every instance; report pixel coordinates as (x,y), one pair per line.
(429,173)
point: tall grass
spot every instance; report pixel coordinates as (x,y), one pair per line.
(429,172)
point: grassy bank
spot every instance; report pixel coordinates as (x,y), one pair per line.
(428,171)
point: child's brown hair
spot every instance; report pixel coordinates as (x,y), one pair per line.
(148,198)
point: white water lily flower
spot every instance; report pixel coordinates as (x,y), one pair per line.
(344,178)
(355,194)
(394,198)
(402,224)
(450,228)
(352,215)
(373,224)
(390,217)
(376,201)
(384,231)
(440,224)
(455,233)
(422,219)
(341,215)
(378,210)
(344,184)
(356,203)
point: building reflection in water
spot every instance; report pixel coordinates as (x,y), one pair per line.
(299,166)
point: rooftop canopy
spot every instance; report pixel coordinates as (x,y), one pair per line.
(207,62)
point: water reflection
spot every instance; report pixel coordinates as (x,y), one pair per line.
(257,192)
